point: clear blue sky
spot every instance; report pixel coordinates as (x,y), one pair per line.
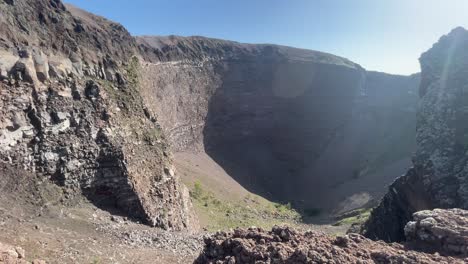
(383,35)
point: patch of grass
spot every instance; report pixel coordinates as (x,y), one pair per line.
(283,207)
(133,72)
(220,214)
(126,97)
(151,135)
(96,261)
(197,191)
(358,216)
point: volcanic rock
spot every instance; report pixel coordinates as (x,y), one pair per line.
(86,146)
(285,245)
(444,231)
(438,178)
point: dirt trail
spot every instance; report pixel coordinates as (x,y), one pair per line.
(34,217)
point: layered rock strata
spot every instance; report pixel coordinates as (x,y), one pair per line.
(71,111)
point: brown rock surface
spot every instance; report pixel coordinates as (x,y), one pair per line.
(70,111)
(284,245)
(14,255)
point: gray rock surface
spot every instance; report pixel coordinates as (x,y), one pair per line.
(70,111)
(438,178)
(444,231)
(276,117)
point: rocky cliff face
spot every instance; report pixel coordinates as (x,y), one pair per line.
(293,125)
(438,178)
(71,111)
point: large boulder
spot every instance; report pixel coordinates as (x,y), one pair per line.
(25,69)
(14,255)
(7,62)
(444,231)
(41,64)
(60,67)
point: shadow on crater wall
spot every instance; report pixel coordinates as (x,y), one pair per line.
(288,124)
(269,121)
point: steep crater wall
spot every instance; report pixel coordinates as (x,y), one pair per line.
(293,125)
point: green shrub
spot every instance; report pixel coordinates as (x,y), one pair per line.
(283,208)
(197,192)
(360,216)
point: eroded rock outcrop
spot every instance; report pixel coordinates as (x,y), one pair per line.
(439,176)
(71,111)
(284,245)
(444,231)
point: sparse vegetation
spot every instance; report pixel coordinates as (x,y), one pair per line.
(126,96)
(133,70)
(129,101)
(358,216)
(249,211)
(197,191)
(151,135)
(283,207)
